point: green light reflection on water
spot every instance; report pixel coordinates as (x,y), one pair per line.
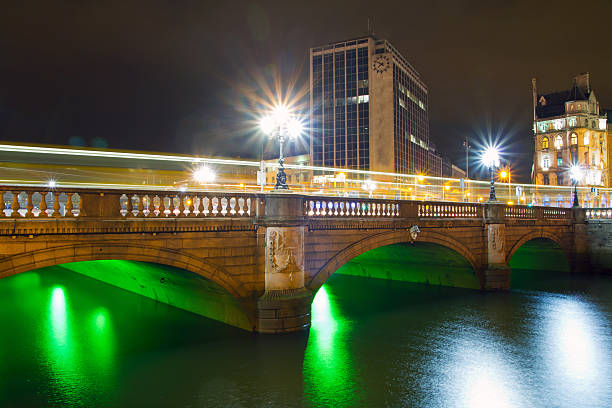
(329,378)
(80,350)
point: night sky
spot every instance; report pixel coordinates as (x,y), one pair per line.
(178,76)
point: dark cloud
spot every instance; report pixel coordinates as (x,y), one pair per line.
(162,75)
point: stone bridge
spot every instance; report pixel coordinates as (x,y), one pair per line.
(269,252)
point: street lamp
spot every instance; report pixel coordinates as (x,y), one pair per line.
(490,158)
(369,186)
(280,123)
(203,174)
(576,176)
(505,175)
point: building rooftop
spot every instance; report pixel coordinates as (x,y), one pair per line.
(553,104)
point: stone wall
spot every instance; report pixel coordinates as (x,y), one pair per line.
(599,233)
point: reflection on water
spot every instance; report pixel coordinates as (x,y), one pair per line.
(328,371)
(68,340)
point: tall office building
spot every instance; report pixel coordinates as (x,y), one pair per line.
(368,109)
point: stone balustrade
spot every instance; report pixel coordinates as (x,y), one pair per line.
(19,203)
(599,213)
(28,202)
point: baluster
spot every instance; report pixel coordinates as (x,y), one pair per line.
(181,206)
(190,206)
(232,205)
(129,206)
(56,206)
(2,204)
(140,205)
(215,206)
(151,206)
(69,205)
(15,205)
(29,205)
(241,205)
(171,207)
(248,201)
(162,206)
(201,206)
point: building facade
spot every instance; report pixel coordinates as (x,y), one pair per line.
(570,128)
(369,109)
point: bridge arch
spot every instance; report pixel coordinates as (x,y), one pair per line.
(36,259)
(383,239)
(535,235)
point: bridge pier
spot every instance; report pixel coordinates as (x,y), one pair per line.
(580,258)
(496,275)
(285,305)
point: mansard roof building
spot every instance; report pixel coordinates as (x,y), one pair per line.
(570,128)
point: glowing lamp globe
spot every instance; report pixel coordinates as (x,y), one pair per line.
(490,157)
(575,173)
(203,174)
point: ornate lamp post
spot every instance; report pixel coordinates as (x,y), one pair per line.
(576,176)
(280,123)
(490,158)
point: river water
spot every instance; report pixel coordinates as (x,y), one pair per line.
(68,340)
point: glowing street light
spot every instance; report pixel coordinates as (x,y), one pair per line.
(576,175)
(204,174)
(281,123)
(505,175)
(369,186)
(490,159)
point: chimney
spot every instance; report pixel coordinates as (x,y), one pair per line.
(535,97)
(583,82)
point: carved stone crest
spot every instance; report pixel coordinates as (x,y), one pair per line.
(284,257)
(414,232)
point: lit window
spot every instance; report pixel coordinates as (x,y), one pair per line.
(602,124)
(586,139)
(574,139)
(544,142)
(545,163)
(572,122)
(558,142)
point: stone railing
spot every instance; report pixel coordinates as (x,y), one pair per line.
(186,205)
(449,210)
(599,213)
(28,203)
(555,213)
(520,212)
(350,208)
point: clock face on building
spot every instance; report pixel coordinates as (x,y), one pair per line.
(381,63)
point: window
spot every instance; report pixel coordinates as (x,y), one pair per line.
(558,142)
(593,125)
(545,163)
(586,139)
(574,139)
(544,142)
(559,160)
(560,179)
(546,179)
